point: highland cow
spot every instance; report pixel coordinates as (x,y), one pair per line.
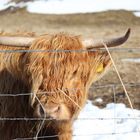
(55,82)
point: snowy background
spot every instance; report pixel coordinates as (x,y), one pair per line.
(75,6)
(115,121)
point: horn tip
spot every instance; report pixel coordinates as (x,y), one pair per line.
(128,32)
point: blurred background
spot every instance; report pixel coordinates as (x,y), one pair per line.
(89,18)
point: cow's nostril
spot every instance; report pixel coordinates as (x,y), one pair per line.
(54,109)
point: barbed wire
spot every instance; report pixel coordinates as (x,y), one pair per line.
(113,49)
(39,137)
(75,135)
(115,85)
(73,89)
(83,119)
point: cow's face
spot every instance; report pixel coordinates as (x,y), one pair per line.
(65,76)
(62,95)
(62,79)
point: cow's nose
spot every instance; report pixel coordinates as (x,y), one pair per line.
(53,111)
(57,111)
(49,111)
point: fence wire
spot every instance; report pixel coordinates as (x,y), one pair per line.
(54,136)
(94,87)
(112,49)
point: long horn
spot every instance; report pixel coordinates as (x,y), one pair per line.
(90,43)
(16,41)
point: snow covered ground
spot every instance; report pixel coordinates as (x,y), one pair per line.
(3,4)
(76,6)
(81,6)
(98,124)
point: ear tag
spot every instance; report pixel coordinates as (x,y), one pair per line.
(100,68)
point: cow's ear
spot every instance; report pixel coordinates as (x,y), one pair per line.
(100,64)
(103,68)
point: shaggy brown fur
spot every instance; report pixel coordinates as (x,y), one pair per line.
(63,77)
